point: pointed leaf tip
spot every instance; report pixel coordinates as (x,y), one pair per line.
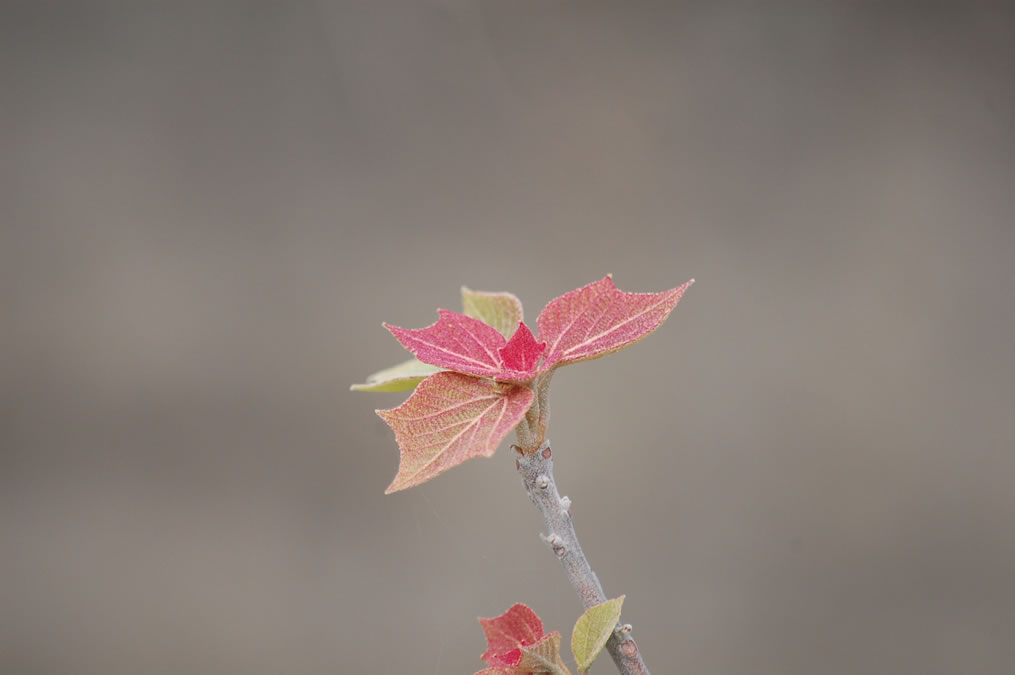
(450,418)
(522,352)
(592,631)
(405,375)
(599,319)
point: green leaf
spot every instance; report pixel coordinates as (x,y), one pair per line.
(503,311)
(543,657)
(404,376)
(592,630)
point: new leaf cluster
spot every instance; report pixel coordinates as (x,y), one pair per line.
(474,372)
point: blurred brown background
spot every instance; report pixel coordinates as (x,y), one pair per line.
(209,208)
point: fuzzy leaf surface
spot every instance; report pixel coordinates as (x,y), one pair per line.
(543,657)
(503,311)
(508,633)
(405,375)
(460,343)
(451,418)
(592,630)
(522,352)
(599,319)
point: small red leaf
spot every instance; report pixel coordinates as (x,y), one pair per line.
(456,342)
(508,633)
(598,319)
(450,418)
(522,352)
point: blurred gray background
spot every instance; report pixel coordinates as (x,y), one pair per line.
(208,209)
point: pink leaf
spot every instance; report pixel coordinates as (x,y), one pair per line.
(522,352)
(599,319)
(467,345)
(456,342)
(508,633)
(451,418)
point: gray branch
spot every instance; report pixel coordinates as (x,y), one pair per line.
(537,475)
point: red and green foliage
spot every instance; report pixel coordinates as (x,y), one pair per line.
(517,645)
(478,375)
(474,383)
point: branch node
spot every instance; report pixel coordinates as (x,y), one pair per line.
(542,481)
(565,504)
(557,544)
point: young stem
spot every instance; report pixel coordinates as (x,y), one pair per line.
(537,475)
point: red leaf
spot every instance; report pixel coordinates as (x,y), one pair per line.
(466,345)
(522,352)
(508,633)
(450,418)
(599,319)
(456,342)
